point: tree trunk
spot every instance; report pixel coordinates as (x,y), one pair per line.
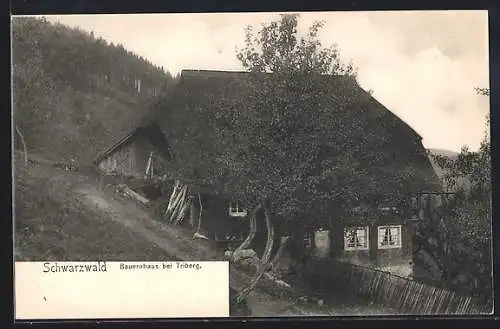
(23,142)
(101,182)
(253,230)
(277,255)
(199,216)
(270,237)
(262,270)
(330,238)
(192,214)
(198,225)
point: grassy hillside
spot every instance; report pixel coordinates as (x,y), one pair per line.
(74,94)
(441,173)
(51,223)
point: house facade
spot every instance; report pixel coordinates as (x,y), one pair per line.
(181,118)
(387,240)
(142,153)
(384,243)
(222,221)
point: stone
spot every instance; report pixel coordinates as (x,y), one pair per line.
(302,300)
(244,254)
(282,283)
(252,262)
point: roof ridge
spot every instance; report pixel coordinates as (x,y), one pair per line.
(201,73)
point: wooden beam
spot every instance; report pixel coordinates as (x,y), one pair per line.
(134,195)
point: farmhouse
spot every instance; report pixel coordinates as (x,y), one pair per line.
(138,154)
(195,145)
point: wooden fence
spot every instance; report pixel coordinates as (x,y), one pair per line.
(405,295)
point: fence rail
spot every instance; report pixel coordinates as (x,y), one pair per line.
(405,295)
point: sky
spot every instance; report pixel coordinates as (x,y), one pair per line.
(422,65)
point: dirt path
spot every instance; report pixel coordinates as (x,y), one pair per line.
(181,246)
(60,210)
(179,243)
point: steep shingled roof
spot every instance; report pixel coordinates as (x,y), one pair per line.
(194,141)
(151,131)
(211,79)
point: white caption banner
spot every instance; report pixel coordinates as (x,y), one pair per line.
(106,290)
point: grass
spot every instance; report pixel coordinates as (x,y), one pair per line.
(52,224)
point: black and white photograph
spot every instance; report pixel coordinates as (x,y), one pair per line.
(339,161)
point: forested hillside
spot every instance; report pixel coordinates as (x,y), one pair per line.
(441,172)
(73,93)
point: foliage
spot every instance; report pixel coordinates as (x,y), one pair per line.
(307,135)
(458,236)
(483,91)
(79,59)
(278,49)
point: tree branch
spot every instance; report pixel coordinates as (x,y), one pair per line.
(252,231)
(23,142)
(261,271)
(270,237)
(199,215)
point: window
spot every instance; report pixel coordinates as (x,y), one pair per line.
(389,237)
(236,211)
(308,241)
(356,238)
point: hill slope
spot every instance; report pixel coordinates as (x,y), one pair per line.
(464,182)
(72,93)
(443,152)
(440,152)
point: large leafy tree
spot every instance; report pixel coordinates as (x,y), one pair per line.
(304,153)
(305,149)
(458,234)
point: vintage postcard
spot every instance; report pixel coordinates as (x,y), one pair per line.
(251,164)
